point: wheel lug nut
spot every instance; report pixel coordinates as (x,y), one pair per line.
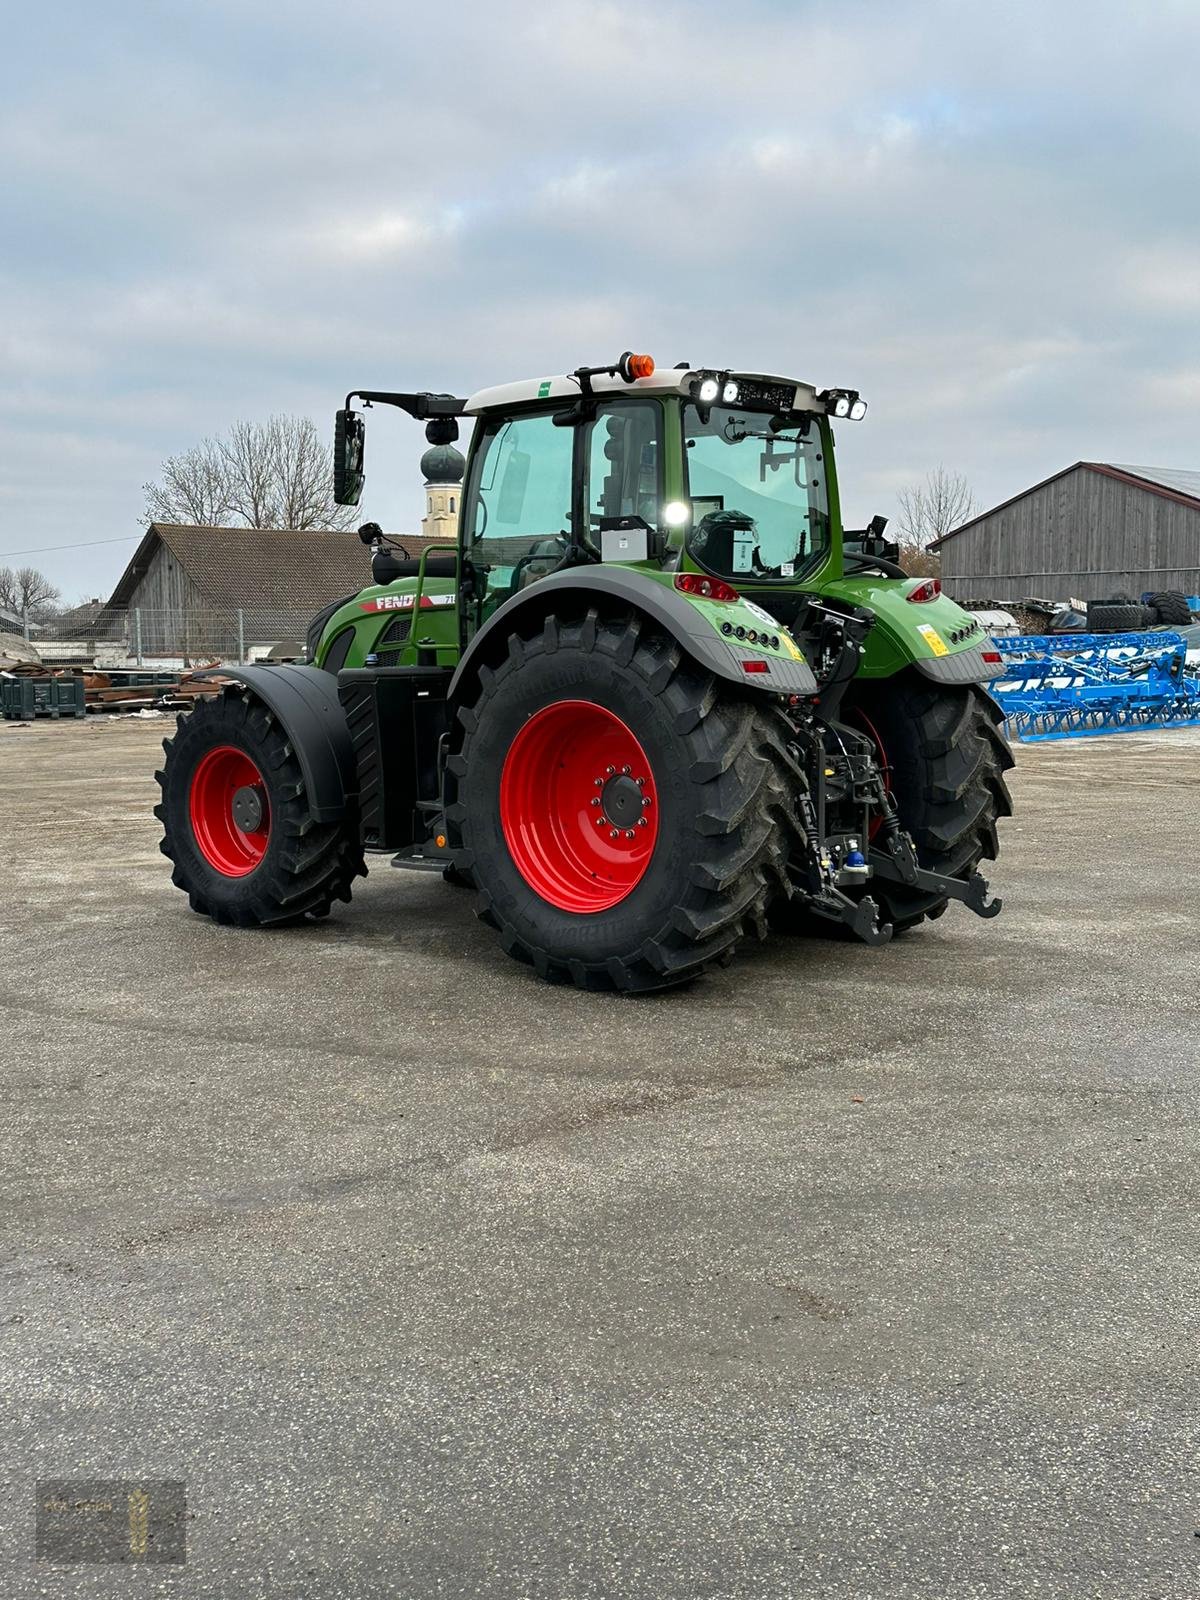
(596,800)
(642,823)
(599,783)
(629,833)
(614,834)
(641,783)
(625,770)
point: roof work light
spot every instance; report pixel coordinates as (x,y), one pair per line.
(844,403)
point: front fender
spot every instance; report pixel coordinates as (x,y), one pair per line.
(305,700)
(695,626)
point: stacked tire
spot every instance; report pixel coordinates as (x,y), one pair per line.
(1171,608)
(1121,614)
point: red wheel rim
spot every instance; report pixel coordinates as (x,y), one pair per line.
(224,777)
(578,806)
(856,715)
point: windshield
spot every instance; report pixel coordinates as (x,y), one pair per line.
(759,504)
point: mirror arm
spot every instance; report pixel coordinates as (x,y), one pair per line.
(419,406)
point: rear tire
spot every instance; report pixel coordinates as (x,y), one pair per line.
(290,868)
(663,904)
(944,755)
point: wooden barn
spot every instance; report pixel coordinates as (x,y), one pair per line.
(1092,530)
(191,591)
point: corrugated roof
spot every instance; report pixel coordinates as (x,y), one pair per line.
(1183,482)
(1172,483)
(278,569)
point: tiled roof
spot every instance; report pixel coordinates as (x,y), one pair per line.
(269,568)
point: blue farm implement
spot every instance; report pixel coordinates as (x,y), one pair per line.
(1070,686)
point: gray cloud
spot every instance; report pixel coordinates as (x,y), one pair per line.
(980,216)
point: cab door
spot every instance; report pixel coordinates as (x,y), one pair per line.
(518,511)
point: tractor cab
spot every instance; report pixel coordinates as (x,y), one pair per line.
(714,472)
(719,473)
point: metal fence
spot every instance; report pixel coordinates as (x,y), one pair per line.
(142,636)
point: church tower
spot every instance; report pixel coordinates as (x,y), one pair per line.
(442,469)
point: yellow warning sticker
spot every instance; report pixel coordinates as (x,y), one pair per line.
(934,640)
(786,640)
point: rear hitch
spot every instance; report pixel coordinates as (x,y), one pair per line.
(971,891)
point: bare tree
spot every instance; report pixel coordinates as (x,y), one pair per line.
(933,508)
(273,474)
(248,466)
(303,478)
(192,487)
(27,592)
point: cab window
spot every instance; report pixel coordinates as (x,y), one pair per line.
(525,481)
(520,511)
(760,502)
(622,456)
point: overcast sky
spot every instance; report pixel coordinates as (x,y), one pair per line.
(983,216)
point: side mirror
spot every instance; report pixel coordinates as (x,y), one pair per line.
(349,442)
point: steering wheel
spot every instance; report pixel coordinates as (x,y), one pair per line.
(537,555)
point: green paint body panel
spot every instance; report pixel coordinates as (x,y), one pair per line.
(437,623)
(897,640)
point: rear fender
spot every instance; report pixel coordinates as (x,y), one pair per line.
(305,700)
(937,637)
(695,626)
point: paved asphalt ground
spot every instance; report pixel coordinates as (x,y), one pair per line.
(847,1273)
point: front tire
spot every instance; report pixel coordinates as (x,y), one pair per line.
(236,820)
(944,755)
(589,875)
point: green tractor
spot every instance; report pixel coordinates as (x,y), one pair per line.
(653,698)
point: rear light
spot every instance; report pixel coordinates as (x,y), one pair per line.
(992,656)
(707,588)
(755,664)
(929,590)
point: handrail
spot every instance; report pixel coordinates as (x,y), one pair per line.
(417,594)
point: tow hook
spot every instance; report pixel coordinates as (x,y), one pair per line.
(972,891)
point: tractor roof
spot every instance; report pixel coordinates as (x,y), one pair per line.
(669,380)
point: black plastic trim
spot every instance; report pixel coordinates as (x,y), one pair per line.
(305,700)
(316,628)
(663,605)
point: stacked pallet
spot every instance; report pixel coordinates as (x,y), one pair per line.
(118,689)
(27,690)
